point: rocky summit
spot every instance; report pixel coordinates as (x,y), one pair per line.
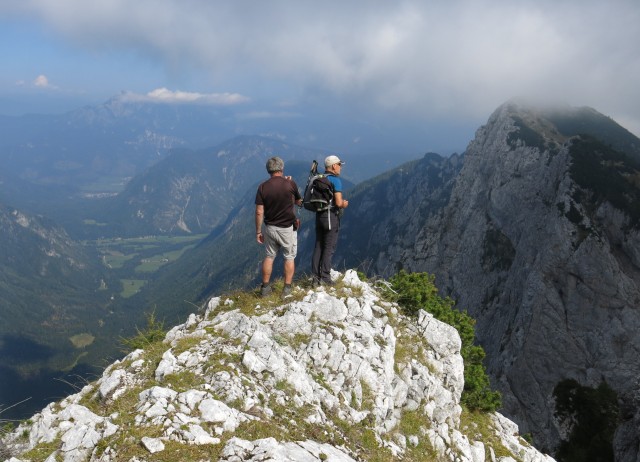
(328,374)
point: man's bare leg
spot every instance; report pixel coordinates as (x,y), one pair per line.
(267,268)
(289,269)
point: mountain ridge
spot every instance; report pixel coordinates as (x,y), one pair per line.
(95,150)
(523,233)
(535,247)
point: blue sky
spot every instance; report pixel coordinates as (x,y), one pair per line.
(437,69)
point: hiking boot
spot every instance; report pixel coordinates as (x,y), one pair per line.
(265,290)
(286,291)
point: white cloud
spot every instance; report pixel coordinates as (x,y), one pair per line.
(268,115)
(164,95)
(418,57)
(42,81)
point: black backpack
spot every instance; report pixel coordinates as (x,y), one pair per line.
(318,194)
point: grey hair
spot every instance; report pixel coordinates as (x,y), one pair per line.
(275,164)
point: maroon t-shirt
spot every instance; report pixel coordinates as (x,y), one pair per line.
(278,195)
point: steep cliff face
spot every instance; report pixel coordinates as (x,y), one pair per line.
(388,211)
(539,242)
(337,375)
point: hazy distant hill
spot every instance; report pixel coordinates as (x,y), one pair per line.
(54,296)
(38,264)
(93,145)
(96,150)
(191,192)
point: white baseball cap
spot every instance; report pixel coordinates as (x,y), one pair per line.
(331,160)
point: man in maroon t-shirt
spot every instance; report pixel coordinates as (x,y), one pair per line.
(274,205)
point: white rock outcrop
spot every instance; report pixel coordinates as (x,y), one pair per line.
(331,375)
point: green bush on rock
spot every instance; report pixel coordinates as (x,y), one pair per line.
(415,291)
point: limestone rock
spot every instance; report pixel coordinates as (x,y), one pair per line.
(317,378)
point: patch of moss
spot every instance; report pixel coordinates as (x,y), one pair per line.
(183,381)
(186,344)
(42,450)
(478,426)
(414,423)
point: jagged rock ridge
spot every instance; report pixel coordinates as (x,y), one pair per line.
(337,375)
(539,241)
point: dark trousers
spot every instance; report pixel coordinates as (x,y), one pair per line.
(325,247)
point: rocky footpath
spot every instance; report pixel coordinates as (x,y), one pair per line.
(331,374)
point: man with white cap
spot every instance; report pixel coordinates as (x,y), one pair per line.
(328,225)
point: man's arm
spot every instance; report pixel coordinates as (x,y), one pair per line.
(339,201)
(297,199)
(259,219)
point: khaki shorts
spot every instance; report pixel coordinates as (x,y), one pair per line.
(276,238)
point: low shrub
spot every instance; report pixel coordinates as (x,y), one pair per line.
(152,333)
(415,291)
